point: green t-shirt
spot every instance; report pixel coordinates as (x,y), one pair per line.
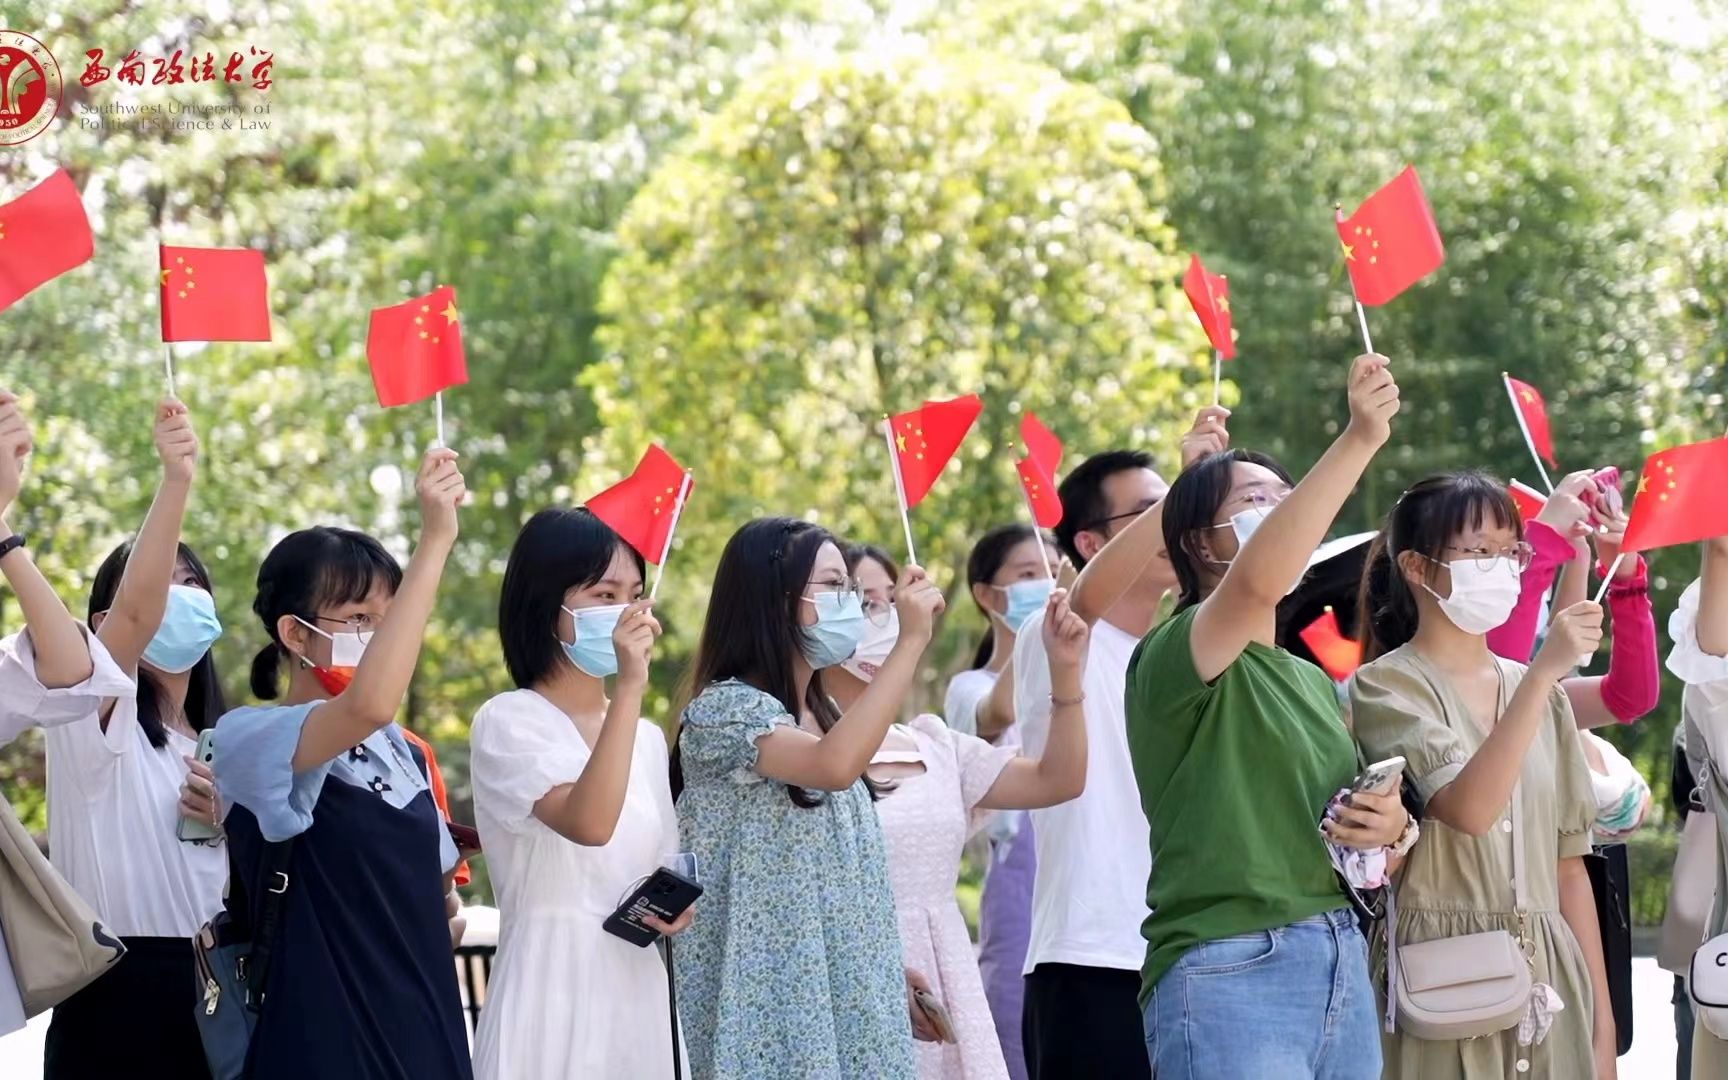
(1234,777)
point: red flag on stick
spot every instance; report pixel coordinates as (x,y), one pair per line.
(1680,497)
(415,348)
(1040,489)
(643,507)
(43,234)
(214,294)
(1532,418)
(1210,295)
(1530,501)
(1042,445)
(1391,241)
(1337,654)
(926,439)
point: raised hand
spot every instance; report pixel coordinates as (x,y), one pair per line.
(1208,435)
(633,640)
(1066,636)
(1566,512)
(176,441)
(1573,637)
(441,490)
(1373,398)
(15,445)
(918,601)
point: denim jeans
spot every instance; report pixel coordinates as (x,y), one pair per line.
(1287,1004)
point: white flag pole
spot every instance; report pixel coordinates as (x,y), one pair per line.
(900,489)
(1512,396)
(1037,530)
(438,407)
(671,531)
(168,365)
(1608,578)
(1361,314)
(1217,373)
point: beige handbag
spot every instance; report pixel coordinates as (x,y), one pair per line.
(57,945)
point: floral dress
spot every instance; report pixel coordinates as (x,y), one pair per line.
(792,967)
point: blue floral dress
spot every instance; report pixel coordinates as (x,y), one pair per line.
(792,967)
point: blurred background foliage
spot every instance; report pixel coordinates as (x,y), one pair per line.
(747,229)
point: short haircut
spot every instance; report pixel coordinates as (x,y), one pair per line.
(311,569)
(1084,506)
(557,550)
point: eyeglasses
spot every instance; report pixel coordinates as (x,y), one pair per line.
(1103,524)
(1258,499)
(842,588)
(1520,555)
(354,624)
(878,611)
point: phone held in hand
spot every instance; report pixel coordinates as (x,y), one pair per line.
(1608,499)
(665,895)
(465,837)
(1380,778)
(936,1014)
(198,831)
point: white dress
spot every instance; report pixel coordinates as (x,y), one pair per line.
(566,999)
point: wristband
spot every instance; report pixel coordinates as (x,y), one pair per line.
(10,544)
(1066,702)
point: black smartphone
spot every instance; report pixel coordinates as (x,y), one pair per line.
(465,837)
(664,895)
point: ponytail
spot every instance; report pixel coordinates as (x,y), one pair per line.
(266,666)
(986,649)
(1386,614)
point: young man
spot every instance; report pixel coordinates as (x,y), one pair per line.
(1083,965)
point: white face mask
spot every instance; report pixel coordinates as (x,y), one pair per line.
(1244,523)
(874,647)
(1481,600)
(346,647)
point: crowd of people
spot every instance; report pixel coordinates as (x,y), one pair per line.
(1184,877)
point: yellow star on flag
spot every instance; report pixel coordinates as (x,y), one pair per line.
(449,312)
(1224,304)
(1349,251)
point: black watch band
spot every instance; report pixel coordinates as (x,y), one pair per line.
(10,544)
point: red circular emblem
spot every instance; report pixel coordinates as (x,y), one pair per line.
(29,87)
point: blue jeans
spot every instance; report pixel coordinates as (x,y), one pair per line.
(1287,1004)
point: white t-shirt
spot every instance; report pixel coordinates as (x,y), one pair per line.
(966,693)
(113,808)
(1094,852)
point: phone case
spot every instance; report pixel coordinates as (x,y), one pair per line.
(938,1016)
(465,837)
(198,832)
(664,895)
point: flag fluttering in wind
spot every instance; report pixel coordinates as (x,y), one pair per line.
(927,438)
(214,294)
(1337,654)
(1210,295)
(1042,445)
(643,508)
(1532,418)
(415,348)
(1680,497)
(43,233)
(1391,242)
(1038,471)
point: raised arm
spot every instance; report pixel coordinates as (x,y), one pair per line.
(1244,605)
(1060,774)
(587,810)
(835,760)
(62,654)
(143,592)
(1713,598)
(1633,684)
(387,666)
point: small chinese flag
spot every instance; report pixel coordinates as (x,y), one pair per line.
(415,348)
(1337,654)
(1532,417)
(926,439)
(1679,498)
(214,294)
(640,508)
(1040,493)
(43,234)
(1391,242)
(1530,501)
(1210,295)
(1042,445)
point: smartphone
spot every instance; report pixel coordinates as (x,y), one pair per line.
(1380,778)
(465,837)
(1608,501)
(664,895)
(936,1014)
(200,832)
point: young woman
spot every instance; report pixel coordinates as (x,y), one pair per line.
(1254,964)
(1479,733)
(936,781)
(121,779)
(1005,575)
(362,983)
(53,673)
(574,809)
(875,572)
(794,967)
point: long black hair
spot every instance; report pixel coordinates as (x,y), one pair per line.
(1193,502)
(311,569)
(982,566)
(751,632)
(559,549)
(204,702)
(1423,520)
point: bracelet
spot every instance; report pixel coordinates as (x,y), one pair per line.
(1407,839)
(10,544)
(1063,703)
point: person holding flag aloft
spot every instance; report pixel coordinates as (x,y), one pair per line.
(1254,965)
(330,808)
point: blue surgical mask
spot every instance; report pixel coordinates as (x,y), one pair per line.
(1025,599)
(592,652)
(189,627)
(839,627)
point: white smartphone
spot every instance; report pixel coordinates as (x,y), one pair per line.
(200,832)
(1381,778)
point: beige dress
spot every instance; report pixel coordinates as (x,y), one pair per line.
(1454,884)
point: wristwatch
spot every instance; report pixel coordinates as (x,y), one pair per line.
(10,544)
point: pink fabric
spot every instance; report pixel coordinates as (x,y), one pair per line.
(1633,682)
(1515,638)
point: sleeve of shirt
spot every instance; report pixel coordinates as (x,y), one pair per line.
(1162,676)
(1576,795)
(1395,714)
(966,694)
(1622,794)
(721,727)
(26,703)
(1696,668)
(255,768)
(517,756)
(1032,686)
